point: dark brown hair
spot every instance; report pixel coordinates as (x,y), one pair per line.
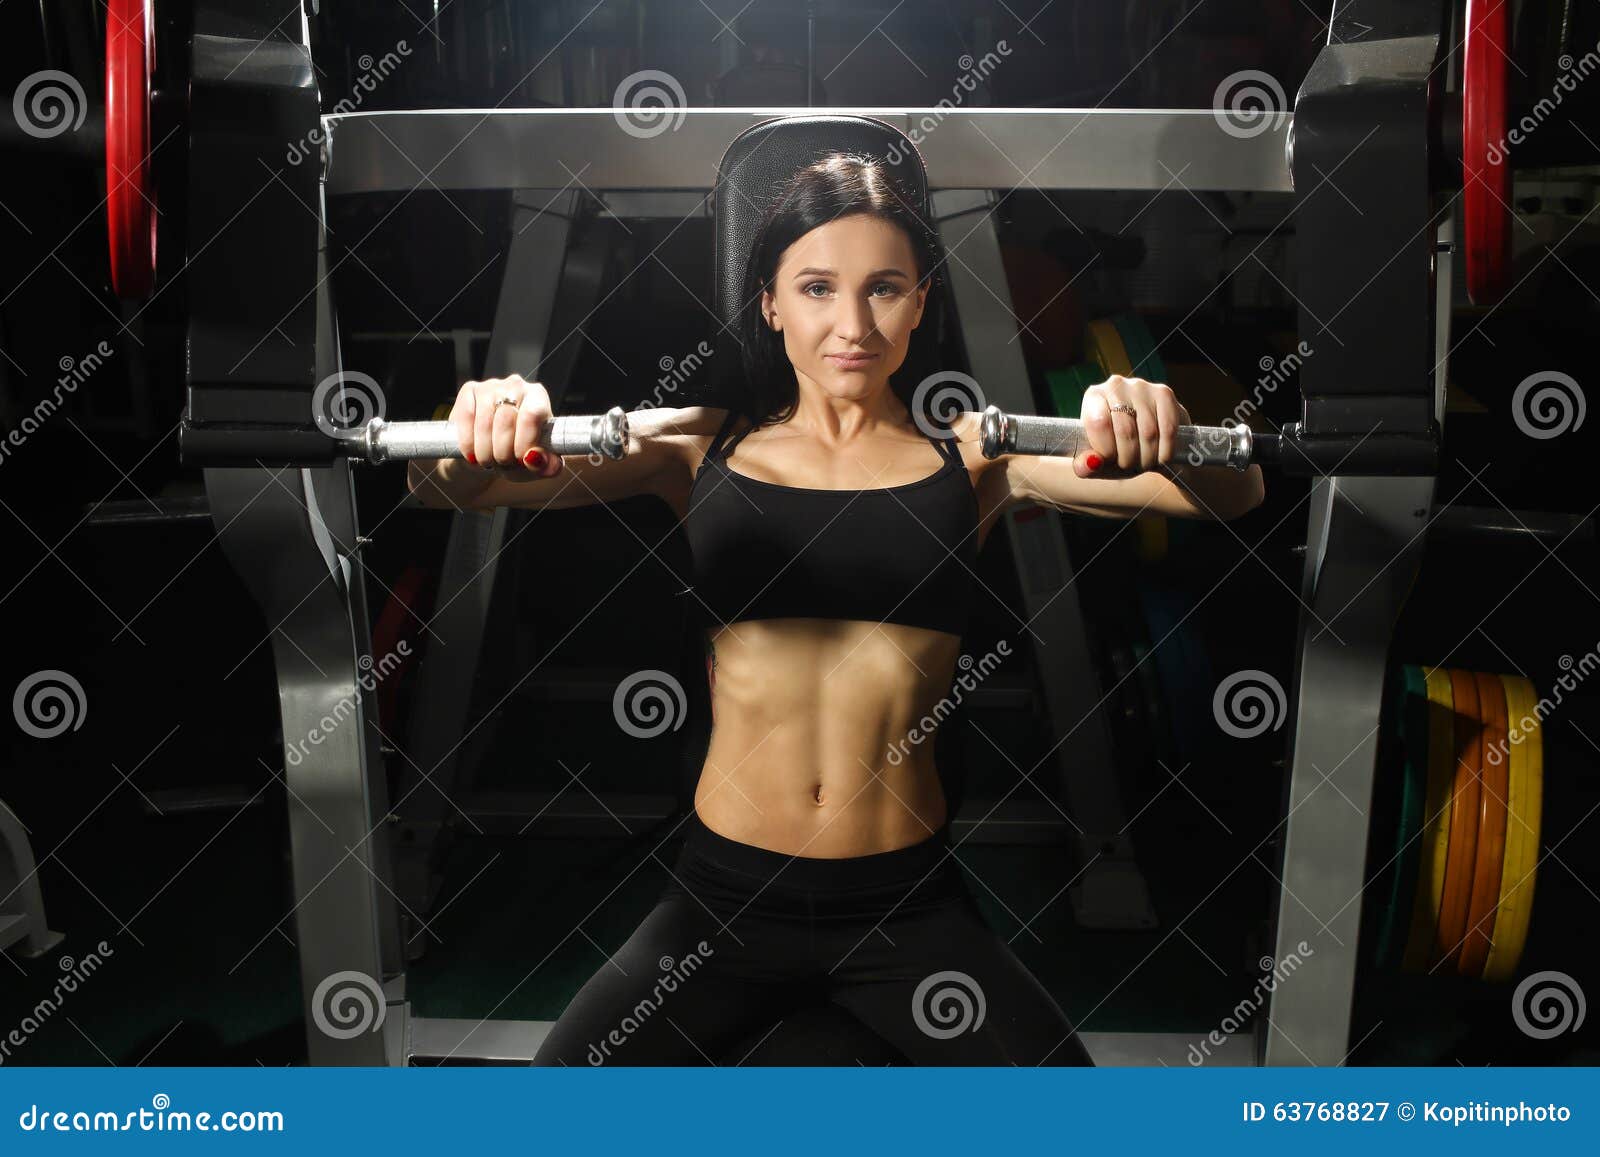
(838,185)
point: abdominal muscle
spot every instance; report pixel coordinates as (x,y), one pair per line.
(810,749)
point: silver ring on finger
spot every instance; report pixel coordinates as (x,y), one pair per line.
(504,399)
(1124,408)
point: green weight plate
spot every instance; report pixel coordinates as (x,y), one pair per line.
(1067,386)
(1407,716)
(1141,347)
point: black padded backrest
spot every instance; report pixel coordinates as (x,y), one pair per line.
(764,156)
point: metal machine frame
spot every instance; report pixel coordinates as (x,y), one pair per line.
(292,532)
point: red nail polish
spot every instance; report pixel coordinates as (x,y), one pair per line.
(472,458)
(1093,461)
(534,458)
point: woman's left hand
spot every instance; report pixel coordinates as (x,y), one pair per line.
(1126,443)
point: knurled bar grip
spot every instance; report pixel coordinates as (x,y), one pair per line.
(1004,433)
(381,441)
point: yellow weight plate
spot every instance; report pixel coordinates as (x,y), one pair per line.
(1483,903)
(1436,820)
(1516,821)
(1464,807)
(1517,706)
(1522,838)
(1104,345)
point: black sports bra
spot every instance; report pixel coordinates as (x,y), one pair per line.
(895,554)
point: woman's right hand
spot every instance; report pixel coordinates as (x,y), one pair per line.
(503,438)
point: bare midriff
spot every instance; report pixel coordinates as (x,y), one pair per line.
(818,746)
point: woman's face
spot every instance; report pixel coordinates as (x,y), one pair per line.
(847,287)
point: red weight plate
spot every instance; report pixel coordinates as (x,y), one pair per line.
(130,189)
(1485,169)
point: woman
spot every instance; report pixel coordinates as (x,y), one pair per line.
(833,532)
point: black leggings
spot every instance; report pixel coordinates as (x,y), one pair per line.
(744,936)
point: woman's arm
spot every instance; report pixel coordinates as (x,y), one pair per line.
(653,452)
(450,482)
(446,482)
(1137,473)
